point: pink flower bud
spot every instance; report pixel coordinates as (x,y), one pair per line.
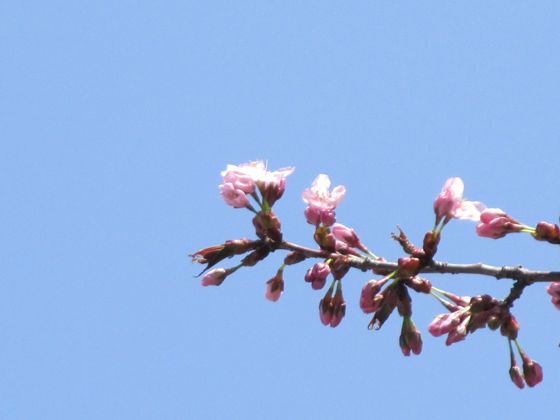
(516,376)
(509,327)
(408,267)
(495,223)
(232,196)
(317,275)
(346,235)
(338,308)
(325,308)
(274,287)
(272,184)
(214,277)
(332,309)
(444,323)
(370,300)
(553,290)
(532,371)
(459,332)
(410,338)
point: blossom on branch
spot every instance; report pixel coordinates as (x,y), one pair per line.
(239,180)
(322,202)
(450,204)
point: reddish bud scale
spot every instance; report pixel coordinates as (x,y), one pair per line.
(294,258)
(267,227)
(387,305)
(408,267)
(214,254)
(404,302)
(509,327)
(406,245)
(430,244)
(339,267)
(254,257)
(325,239)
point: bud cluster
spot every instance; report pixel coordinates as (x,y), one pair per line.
(466,315)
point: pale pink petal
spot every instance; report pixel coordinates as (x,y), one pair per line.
(470,210)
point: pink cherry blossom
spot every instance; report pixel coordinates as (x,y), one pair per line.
(319,195)
(239,178)
(451,204)
(553,290)
(321,201)
(232,196)
(247,176)
(214,277)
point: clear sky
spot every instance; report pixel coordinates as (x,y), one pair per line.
(116,119)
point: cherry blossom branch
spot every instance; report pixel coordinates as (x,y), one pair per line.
(385,267)
(340,249)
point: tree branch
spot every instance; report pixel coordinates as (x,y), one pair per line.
(523,275)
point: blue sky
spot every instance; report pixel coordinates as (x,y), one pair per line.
(117,118)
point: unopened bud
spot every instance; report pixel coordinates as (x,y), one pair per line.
(547,232)
(408,267)
(516,376)
(510,327)
(532,371)
(431,241)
